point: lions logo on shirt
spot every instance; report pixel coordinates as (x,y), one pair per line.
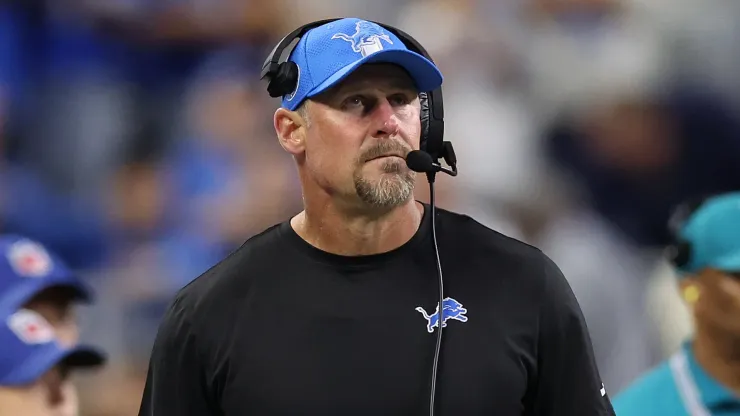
(367,38)
(451,308)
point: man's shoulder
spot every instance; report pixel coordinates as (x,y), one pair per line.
(652,393)
(471,236)
(491,255)
(235,270)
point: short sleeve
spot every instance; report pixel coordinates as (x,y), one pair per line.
(567,381)
(176,381)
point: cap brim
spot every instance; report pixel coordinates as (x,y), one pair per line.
(22,293)
(83,357)
(729,263)
(42,361)
(423,72)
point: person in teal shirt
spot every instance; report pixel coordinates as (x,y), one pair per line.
(703,377)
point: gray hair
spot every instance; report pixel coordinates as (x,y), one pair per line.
(302,110)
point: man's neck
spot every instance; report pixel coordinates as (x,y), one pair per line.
(337,231)
(720,358)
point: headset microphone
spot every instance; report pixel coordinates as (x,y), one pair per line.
(422,162)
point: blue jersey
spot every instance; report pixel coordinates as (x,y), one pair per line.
(678,387)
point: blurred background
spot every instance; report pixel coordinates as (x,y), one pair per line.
(136,140)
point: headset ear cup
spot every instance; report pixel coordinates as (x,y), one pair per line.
(285,80)
(679,251)
(679,254)
(424,115)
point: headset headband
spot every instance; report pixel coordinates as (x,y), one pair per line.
(281,52)
(432,109)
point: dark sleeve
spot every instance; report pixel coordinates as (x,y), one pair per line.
(176,383)
(568,381)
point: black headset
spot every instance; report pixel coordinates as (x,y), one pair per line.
(678,252)
(282,76)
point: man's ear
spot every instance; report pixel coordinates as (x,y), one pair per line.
(291,130)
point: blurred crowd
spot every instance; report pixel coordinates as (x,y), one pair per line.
(136,141)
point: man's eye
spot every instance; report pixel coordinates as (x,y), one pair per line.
(354,102)
(398,99)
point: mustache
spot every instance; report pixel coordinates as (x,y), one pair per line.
(385,148)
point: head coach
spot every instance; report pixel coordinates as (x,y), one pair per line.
(702,378)
(337,310)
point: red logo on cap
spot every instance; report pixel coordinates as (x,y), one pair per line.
(31,327)
(29,259)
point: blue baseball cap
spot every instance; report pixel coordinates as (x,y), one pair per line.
(29,348)
(27,269)
(714,234)
(327,54)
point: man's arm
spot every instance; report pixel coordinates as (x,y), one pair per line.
(568,381)
(175,383)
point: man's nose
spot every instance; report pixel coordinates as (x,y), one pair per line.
(385,116)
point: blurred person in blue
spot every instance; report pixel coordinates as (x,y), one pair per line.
(180,211)
(703,377)
(75,227)
(226,178)
(35,280)
(35,365)
(33,277)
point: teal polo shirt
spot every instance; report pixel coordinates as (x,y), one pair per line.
(677,387)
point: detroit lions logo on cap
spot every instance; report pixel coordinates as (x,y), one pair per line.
(452,310)
(367,38)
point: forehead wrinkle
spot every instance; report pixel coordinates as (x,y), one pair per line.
(392,78)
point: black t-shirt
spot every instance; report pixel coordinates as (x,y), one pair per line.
(282,328)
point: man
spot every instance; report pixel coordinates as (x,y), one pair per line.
(333,311)
(703,377)
(34,366)
(36,280)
